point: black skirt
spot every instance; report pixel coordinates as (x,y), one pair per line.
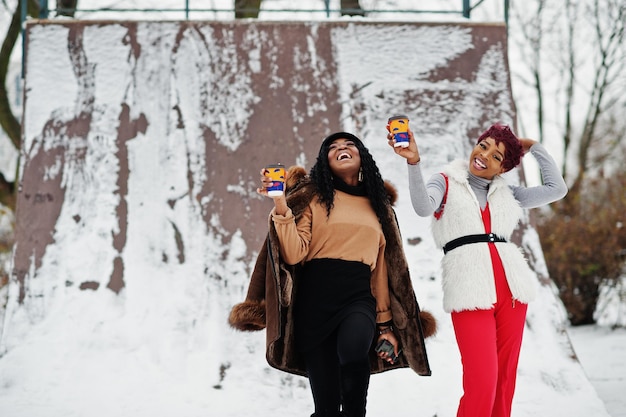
(328,290)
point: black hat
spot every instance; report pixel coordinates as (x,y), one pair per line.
(340,135)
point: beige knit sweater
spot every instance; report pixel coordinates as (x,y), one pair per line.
(352,232)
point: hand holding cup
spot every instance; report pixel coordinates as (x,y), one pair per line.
(410,152)
(398,126)
(272,180)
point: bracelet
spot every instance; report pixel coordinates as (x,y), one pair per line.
(415,163)
(385,330)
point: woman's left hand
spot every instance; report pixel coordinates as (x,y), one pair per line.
(527,143)
(280,202)
(394,341)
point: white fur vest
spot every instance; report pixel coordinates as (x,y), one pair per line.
(468,280)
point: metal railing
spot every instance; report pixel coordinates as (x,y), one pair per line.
(44,10)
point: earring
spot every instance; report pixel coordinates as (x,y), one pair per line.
(360,174)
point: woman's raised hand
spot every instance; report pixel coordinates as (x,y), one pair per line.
(266,182)
(527,143)
(410,153)
(280,202)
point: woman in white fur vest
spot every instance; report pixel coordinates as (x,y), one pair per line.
(487,282)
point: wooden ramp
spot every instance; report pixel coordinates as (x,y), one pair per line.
(199,107)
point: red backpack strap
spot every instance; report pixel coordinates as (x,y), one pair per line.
(439,211)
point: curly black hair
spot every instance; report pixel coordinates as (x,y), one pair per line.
(322,176)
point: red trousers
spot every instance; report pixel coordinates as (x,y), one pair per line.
(489,342)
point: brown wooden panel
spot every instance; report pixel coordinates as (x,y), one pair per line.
(231,96)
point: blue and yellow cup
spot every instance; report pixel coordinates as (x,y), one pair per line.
(277,173)
(398,126)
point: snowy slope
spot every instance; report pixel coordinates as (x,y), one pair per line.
(162,347)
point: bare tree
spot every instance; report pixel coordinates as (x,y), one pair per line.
(586,248)
(571,65)
(8,121)
(574,58)
(608,20)
(579,47)
(531,31)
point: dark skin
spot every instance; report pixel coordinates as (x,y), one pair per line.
(485,160)
(345,162)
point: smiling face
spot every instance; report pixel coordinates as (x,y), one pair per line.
(486,159)
(344,160)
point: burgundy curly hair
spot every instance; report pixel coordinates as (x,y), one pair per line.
(513,152)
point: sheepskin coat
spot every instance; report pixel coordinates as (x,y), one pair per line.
(467,271)
(273,287)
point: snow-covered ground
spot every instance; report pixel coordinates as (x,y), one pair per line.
(602,352)
(152,353)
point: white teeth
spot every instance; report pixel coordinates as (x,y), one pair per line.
(479,163)
(343,155)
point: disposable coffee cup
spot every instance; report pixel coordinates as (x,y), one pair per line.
(398,126)
(277,173)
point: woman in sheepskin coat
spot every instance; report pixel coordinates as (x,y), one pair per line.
(331,280)
(487,283)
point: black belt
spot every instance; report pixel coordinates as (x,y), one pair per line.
(464,240)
